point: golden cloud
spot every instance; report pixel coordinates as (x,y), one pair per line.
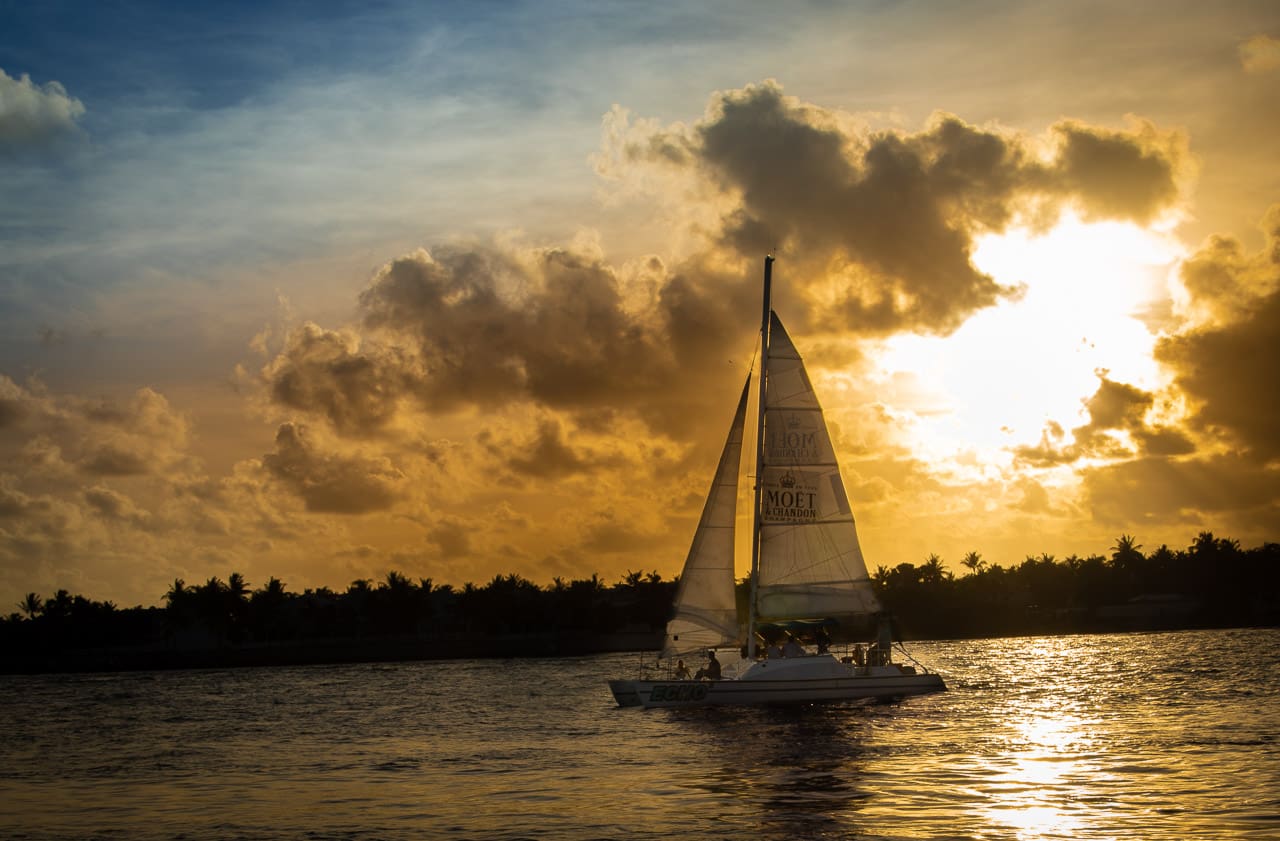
(1260,54)
(1229,367)
(332,482)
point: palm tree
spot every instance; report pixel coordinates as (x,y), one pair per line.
(177,594)
(974,563)
(933,571)
(1127,560)
(1126,551)
(237,587)
(266,609)
(32,605)
(397,582)
(59,606)
(273,591)
(399,600)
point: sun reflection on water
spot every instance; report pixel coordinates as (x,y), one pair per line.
(1038,783)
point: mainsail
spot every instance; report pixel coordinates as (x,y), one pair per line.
(706,613)
(810,565)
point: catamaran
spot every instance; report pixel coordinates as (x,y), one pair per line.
(808,575)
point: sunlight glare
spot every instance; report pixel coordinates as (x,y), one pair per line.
(1012,368)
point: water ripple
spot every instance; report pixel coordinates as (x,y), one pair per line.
(1151,736)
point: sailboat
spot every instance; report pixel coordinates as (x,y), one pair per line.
(808,575)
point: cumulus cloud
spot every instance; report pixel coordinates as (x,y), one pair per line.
(1219,467)
(451,537)
(545,365)
(1228,365)
(1118,175)
(332,482)
(113,505)
(881,224)
(487,327)
(99,437)
(883,221)
(1260,54)
(325,371)
(1118,428)
(91,492)
(14,502)
(31,115)
(1198,491)
(552,453)
(12,403)
(1224,361)
(548,455)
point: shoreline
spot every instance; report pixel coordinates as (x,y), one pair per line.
(411,649)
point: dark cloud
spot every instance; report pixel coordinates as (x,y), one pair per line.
(1118,175)
(1225,368)
(15,503)
(608,535)
(1229,367)
(451,538)
(115,460)
(329,482)
(327,372)
(13,403)
(549,455)
(881,222)
(488,327)
(1114,407)
(137,436)
(481,327)
(1194,491)
(890,216)
(877,228)
(114,505)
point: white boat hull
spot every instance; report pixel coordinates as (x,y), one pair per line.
(814,679)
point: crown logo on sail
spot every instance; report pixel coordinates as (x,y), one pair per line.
(787,480)
(793,421)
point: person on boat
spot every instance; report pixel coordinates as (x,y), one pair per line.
(884,641)
(682,671)
(793,648)
(712,669)
(775,651)
(859,656)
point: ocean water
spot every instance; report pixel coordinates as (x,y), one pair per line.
(1141,736)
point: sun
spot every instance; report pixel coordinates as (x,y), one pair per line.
(1090,294)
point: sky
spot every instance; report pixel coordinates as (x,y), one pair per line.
(324,290)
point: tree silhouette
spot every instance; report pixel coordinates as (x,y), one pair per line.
(32,605)
(399,605)
(266,610)
(934,571)
(973,562)
(1212,583)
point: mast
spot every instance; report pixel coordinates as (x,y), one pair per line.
(755,509)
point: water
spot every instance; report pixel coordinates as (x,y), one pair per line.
(1145,736)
